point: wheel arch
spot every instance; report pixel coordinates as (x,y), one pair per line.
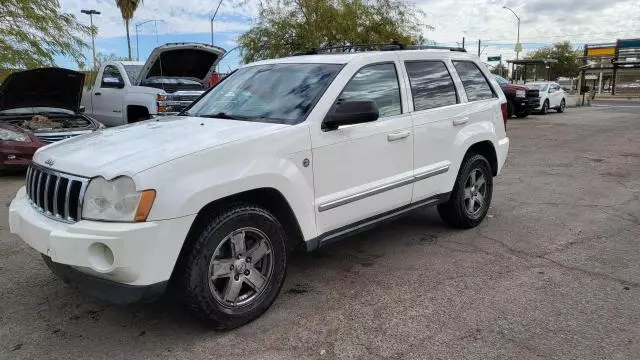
(267,197)
(488,150)
(133,110)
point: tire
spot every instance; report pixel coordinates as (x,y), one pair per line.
(510,108)
(562,106)
(545,108)
(523,113)
(207,289)
(456,211)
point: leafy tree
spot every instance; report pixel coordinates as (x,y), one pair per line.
(285,27)
(33,33)
(127,8)
(500,70)
(569,59)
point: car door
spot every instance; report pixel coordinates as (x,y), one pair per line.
(108,99)
(558,93)
(364,170)
(438,113)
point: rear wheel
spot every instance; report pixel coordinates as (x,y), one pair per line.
(562,106)
(236,267)
(471,195)
(510,108)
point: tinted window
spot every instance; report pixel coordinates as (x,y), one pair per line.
(475,84)
(501,80)
(431,85)
(378,83)
(280,93)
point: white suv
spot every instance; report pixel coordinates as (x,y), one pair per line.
(283,152)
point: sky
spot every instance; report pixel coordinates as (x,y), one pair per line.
(542,23)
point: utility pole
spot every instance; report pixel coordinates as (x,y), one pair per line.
(463,42)
(479,42)
(137,41)
(518,45)
(213,17)
(92,12)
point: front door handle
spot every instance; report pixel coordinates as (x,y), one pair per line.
(398,135)
(97,94)
(461,120)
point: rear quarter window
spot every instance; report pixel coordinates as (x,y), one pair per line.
(475,83)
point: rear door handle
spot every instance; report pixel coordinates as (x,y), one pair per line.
(461,120)
(398,135)
(97,94)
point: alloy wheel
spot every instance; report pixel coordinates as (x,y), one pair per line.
(241,267)
(475,192)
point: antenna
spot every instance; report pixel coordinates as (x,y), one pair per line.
(161,76)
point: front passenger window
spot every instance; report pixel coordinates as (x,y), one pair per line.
(378,83)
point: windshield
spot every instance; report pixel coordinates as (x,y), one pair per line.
(281,93)
(541,87)
(132,72)
(501,80)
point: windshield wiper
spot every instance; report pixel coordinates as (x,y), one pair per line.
(223,115)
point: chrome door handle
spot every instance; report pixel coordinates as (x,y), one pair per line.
(398,135)
(461,120)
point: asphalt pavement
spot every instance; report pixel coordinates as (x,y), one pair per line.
(553,273)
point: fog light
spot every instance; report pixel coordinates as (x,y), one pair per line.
(100,257)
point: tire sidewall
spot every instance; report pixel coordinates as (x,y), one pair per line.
(211,238)
(563,105)
(480,163)
(545,107)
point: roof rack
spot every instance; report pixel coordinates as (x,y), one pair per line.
(394,46)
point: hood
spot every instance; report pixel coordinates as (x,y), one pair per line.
(130,149)
(514,87)
(184,60)
(46,87)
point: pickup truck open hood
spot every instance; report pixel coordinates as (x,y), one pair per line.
(130,149)
(183,60)
(45,87)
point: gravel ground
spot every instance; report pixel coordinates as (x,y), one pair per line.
(553,273)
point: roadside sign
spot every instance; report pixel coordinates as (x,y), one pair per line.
(494,58)
(518,47)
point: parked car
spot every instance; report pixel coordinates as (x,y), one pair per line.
(297,151)
(38,107)
(552,96)
(521,99)
(173,76)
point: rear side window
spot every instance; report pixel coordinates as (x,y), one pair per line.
(431,85)
(378,83)
(475,84)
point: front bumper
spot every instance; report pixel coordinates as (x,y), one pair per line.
(524,103)
(132,254)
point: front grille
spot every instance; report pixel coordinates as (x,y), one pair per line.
(53,137)
(56,195)
(533,93)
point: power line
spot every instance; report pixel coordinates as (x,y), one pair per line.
(581,35)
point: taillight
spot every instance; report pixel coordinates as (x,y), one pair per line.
(505,113)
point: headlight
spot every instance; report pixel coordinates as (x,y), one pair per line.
(521,93)
(116,200)
(8,135)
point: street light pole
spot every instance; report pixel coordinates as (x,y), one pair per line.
(213,17)
(92,12)
(137,41)
(518,38)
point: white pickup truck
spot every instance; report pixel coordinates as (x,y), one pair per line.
(173,76)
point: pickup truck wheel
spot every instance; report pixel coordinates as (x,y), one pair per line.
(510,108)
(523,112)
(471,195)
(562,106)
(236,267)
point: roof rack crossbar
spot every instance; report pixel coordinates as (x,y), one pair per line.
(394,46)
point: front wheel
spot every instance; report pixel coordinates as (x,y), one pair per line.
(471,195)
(562,106)
(236,267)
(545,108)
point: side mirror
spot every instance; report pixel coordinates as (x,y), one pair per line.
(82,109)
(349,113)
(552,90)
(112,82)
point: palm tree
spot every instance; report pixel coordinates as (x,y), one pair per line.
(127,8)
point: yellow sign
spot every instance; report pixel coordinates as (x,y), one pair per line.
(610,51)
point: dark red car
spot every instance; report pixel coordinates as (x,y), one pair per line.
(521,100)
(38,107)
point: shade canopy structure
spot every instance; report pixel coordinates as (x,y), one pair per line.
(547,63)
